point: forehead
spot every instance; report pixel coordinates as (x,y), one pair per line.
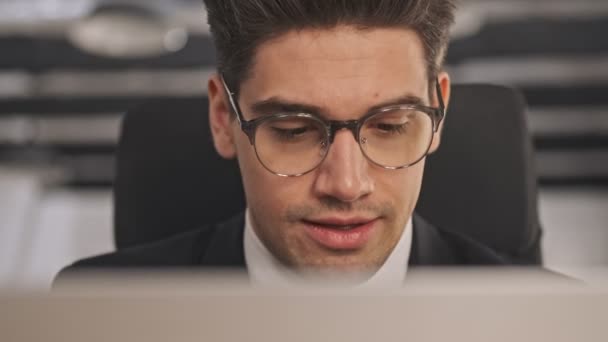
(343,67)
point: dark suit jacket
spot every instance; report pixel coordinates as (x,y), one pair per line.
(221,245)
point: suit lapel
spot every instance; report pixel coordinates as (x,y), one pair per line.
(225,248)
(428,248)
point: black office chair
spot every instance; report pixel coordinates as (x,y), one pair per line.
(480,183)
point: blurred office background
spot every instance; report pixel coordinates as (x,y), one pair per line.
(69,70)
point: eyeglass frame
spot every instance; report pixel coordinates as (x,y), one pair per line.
(249,127)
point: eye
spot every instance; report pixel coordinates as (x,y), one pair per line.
(392,128)
(389,123)
(389,126)
(290,133)
(291,129)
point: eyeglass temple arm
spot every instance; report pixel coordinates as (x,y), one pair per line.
(440,97)
(232,101)
(441,110)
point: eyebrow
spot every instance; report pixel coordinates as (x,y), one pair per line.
(275,105)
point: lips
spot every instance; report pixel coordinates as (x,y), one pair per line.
(341,234)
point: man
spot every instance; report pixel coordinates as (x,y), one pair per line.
(330,108)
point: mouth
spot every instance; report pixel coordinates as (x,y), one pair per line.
(341,234)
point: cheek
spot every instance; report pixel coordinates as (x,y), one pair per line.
(401,187)
(255,177)
(266,192)
(414,184)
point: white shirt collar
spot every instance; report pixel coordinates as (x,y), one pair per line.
(265,269)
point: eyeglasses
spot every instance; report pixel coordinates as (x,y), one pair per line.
(293,144)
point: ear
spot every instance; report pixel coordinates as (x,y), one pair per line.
(445,86)
(220,118)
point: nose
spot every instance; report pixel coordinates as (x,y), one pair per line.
(344,174)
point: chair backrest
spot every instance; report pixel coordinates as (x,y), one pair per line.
(480,183)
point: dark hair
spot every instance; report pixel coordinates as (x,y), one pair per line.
(240,26)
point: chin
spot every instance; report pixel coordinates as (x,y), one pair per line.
(339,265)
(336,274)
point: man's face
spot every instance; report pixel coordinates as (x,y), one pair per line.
(347,214)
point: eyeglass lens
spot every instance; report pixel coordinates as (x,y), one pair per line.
(292,145)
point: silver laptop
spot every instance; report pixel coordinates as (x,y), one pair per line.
(439,305)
